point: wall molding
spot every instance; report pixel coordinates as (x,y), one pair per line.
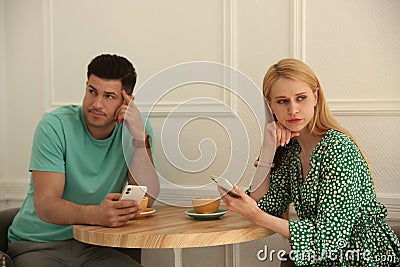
(164,109)
(204,109)
(13,191)
(230,43)
(392,203)
(365,107)
(339,107)
(229,53)
(298,29)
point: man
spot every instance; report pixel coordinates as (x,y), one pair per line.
(78,168)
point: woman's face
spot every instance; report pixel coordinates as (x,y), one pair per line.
(293,103)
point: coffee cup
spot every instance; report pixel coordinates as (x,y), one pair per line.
(144,202)
(206,205)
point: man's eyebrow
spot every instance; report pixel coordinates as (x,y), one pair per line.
(110,93)
(92,87)
(105,92)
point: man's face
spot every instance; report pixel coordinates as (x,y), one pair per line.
(102,99)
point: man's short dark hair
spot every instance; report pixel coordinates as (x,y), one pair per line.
(114,67)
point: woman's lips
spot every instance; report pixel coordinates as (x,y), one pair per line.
(295,120)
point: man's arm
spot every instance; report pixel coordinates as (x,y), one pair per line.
(50,206)
(143,170)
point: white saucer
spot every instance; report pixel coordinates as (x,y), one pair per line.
(146,212)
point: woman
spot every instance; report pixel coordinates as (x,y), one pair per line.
(321,168)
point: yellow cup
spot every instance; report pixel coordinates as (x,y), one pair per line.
(144,202)
(206,205)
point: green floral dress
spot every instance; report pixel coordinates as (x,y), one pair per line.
(341,223)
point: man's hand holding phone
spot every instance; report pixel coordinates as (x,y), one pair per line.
(133,192)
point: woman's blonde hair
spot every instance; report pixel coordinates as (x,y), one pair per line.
(294,69)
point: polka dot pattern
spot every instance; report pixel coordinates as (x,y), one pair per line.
(341,223)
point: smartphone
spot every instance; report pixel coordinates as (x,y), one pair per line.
(225,185)
(133,192)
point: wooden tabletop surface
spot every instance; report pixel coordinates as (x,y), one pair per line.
(170,227)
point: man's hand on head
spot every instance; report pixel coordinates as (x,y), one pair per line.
(130,114)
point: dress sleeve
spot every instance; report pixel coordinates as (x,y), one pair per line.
(48,146)
(314,240)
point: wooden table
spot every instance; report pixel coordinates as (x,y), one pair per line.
(170,227)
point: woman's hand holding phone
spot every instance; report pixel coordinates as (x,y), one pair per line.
(225,185)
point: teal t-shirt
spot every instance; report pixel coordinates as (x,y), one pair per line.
(93,168)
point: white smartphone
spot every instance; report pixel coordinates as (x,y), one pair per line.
(133,192)
(225,185)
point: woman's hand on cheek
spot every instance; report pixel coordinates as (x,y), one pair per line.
(283,135)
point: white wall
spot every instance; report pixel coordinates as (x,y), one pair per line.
(353,46)
(24,82)
(3,94)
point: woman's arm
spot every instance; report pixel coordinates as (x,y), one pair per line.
(275,135)
(247,207)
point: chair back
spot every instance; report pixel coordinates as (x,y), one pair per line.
(6,218)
